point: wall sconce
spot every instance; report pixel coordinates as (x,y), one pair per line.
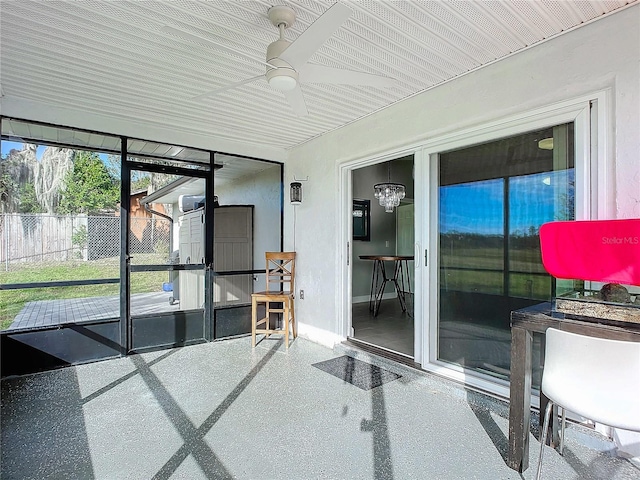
(295,193)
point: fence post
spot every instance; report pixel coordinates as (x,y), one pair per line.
(84,220)
(68,241)
(5,228)
(34,222)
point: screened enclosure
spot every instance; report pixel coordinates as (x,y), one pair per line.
(112,245)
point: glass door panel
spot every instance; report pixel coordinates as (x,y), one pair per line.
(493,198)
(471,237)
(535,199)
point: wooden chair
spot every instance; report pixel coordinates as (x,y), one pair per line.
(280,291)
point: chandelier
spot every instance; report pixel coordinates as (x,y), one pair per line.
(389,194)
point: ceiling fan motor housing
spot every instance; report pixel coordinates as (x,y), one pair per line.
(283,77)
(281,15)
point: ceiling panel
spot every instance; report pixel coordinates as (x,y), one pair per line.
(115,58)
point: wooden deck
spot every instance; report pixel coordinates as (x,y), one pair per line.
(47,313)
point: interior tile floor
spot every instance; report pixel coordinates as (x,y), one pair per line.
(391,328)
(479,347)
(223,410)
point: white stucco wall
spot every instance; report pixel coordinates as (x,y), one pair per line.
(602,55)
(261,190)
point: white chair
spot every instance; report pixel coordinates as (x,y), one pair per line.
(596,378)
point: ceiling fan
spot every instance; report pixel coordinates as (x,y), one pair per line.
(286,62)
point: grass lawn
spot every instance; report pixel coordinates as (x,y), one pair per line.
(480,270)
(12,301)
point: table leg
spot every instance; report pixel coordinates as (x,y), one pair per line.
(405,283)
(520,399)
(406,280)
(372,291)
(380,281)
(406,268)
(398,273)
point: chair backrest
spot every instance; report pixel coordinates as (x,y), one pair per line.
(281,269)
(596,378)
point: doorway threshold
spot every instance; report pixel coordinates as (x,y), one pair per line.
(382,352)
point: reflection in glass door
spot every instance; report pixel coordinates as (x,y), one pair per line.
(492,200)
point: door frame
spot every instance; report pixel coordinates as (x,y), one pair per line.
(345,242)
(173,321)
(588,161)
(591,113)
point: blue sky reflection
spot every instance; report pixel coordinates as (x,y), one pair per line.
(478,207)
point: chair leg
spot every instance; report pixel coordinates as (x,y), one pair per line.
(254,319)
(543,436)
(293,318)
(564,421)
(267,325)
(285,320)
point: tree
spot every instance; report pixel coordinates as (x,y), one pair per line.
(7,186)
(140,182)
(89,188)
(567,203)
(112,163)
(28,199)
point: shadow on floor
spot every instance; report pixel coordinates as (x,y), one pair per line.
(226,410)
(43,429)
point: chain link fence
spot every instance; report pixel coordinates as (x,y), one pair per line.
(150,240)
(28,239)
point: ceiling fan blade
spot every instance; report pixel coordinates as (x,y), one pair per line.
(296,100)
(227,87)
(215,45)
(319,74)
(313,37)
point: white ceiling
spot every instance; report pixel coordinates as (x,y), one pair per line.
(112,57)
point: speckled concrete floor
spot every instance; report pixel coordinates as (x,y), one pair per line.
(223,410)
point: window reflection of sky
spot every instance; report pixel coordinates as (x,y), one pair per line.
(478,207)
(475,207)
(539,198)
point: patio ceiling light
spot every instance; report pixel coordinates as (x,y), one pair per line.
(546,144)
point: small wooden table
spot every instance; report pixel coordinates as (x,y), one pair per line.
(523,324)
(379,279)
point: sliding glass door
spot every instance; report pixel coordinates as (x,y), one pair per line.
(492,199)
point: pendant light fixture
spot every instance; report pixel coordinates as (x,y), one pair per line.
(389,194)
